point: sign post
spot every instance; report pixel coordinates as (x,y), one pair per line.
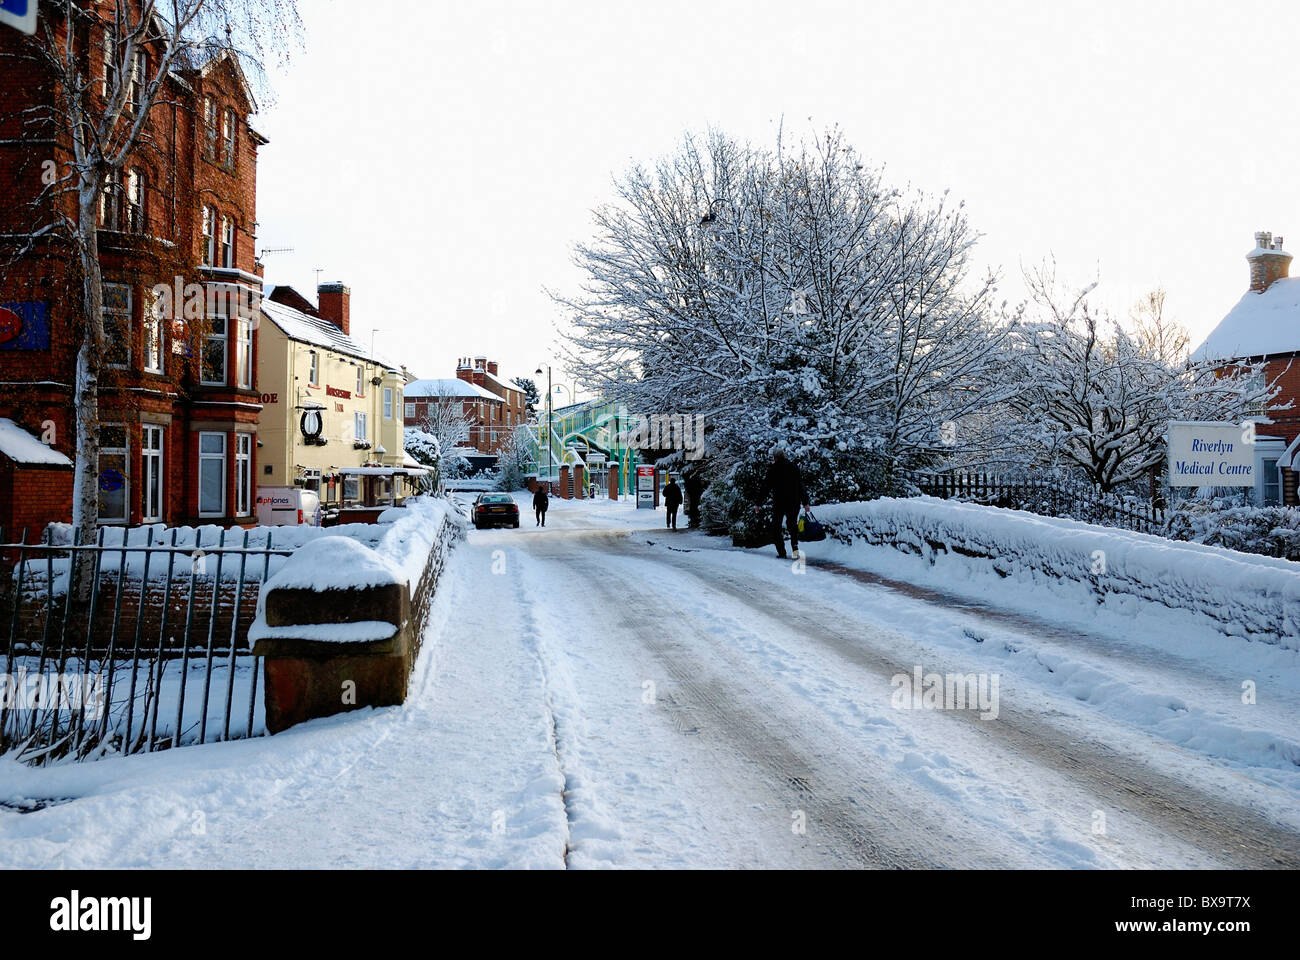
(20,14)
(1211,454)
(645,487)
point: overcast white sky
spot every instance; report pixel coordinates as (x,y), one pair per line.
(442,158)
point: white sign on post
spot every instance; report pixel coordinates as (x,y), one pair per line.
(1211,454)
(20,14)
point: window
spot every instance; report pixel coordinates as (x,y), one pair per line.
(114,474)
(110,63)
(408,412)
(212,474)
(351,489)
(135,184)
(1272,492)
(139,71)
(209,236)
(361,381)
(151,464)
(388,403)
(117,324)
(228,139)
(359,427)
(243,474)
(110,202)
(313,368)
(244,353)
(214,352)
(153,338)
(209,129)
(227,242)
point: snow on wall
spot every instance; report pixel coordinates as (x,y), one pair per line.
(407,540)
(1240,594)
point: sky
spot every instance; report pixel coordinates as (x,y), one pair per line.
(443,158)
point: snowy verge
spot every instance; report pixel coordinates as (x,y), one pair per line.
(1241,595)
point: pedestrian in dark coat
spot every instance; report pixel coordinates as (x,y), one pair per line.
(672,500)
(694,490)
(540,503)
(785,484)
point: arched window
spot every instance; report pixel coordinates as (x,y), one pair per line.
(110,202)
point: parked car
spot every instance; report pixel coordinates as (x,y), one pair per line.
(494,508)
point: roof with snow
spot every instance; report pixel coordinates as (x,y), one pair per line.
(447,387)
(1261,324)
(305,328)
(22,447)
(504,384)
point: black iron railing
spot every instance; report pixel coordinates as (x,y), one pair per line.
(118,648)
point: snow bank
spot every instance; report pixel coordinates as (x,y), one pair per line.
(1242,595)
(335,563)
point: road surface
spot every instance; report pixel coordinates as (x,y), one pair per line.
(603,693)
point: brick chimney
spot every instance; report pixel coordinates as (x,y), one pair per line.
(335,305)
(1268,262)
(492,367)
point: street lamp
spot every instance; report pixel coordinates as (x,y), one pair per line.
(538,373)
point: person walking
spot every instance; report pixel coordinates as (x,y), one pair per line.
(672,500)
(785,485)
(694,489)
(540,503)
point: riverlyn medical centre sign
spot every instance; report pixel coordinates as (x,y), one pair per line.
(1211,454)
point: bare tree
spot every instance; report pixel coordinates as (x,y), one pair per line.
(1098,398)
(110,63)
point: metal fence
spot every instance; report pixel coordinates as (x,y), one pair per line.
(130,647)
(1053,498)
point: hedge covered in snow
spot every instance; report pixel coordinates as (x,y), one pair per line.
(1270,531)
(1241,594)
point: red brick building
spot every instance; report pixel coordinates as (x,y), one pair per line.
(493,405)
(179,401)
(1264,327)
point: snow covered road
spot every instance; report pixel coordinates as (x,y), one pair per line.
(603,693)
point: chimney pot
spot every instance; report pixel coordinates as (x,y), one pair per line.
(1268,262)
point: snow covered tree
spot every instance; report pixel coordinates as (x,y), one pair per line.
(447,422)
(790,295)
(514,460)
(110,64)
(1097,398)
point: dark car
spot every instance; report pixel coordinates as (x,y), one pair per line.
(494,508)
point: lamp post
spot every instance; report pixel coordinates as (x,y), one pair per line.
(538,373)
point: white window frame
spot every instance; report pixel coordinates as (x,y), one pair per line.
(408,411)
(361,381)
(152,465)
(224,339)
(206,459)
(209,235)
(388,403)
(359,427)
(209,128)
(227,242)
(244,352)
(125,453)
(136,82)
(313,368)
(124,321)
(228,127)
(243,474)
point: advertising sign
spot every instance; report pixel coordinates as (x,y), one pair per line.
(24,326)
(645,487)
(1211,454)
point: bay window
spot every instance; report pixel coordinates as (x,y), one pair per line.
(243,474)
(117,324)
(214,352)
(244,353)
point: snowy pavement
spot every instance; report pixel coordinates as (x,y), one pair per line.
(603,693)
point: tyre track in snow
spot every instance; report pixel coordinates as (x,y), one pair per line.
(1232,834)
(864,817)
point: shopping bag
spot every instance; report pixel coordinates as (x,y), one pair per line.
(810,528)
